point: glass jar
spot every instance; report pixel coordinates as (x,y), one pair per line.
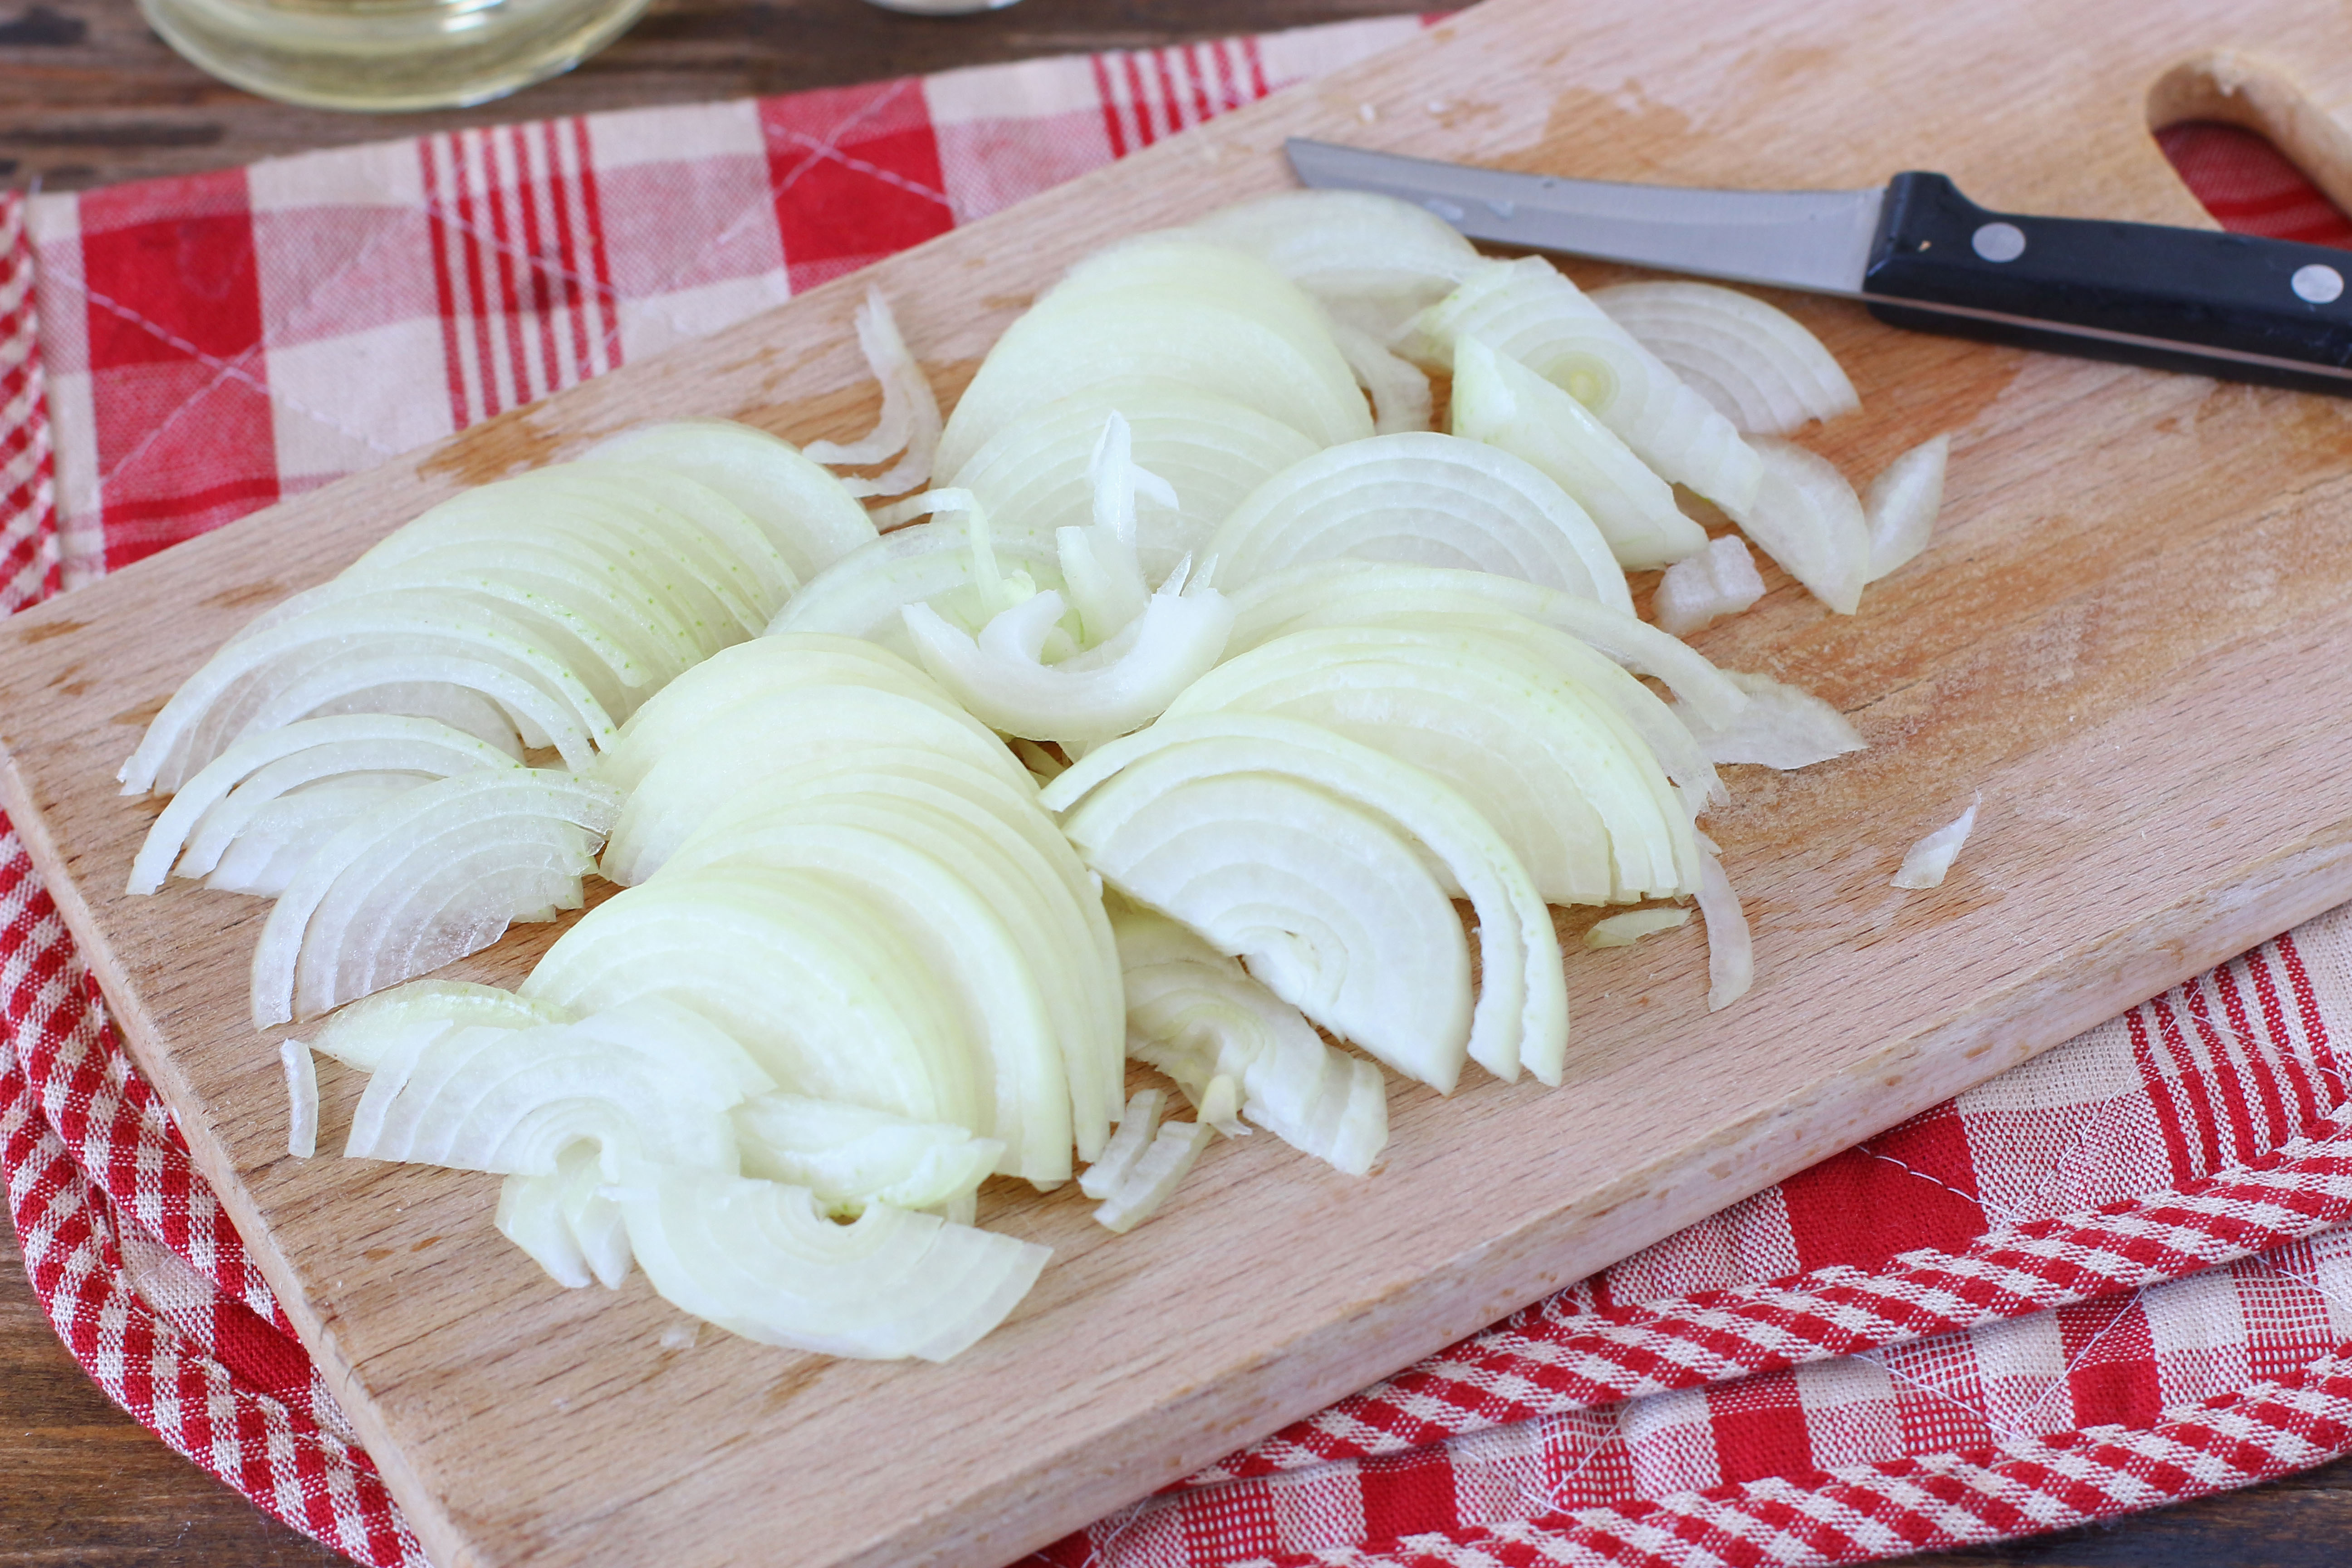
(384,55)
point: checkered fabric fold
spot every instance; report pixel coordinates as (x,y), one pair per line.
(2116,1276)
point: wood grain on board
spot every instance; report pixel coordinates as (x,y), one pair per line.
(2133,635)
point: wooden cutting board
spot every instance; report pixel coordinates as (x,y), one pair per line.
(2133,635)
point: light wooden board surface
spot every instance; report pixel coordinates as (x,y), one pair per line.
(2133,634)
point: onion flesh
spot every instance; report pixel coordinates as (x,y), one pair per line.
(807,513)
(1809,520)
(1782,727)
(1925,863)
(1730,950)
(851,1155)
(1756,365)
(301,1099)
(1625,930)
(1135,1126)
(1720,580)
(1901,505)
(1155,1175)
(910,421)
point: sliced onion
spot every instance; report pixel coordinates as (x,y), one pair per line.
(1155,1177)
(1198,1017)
(1500,402)
(1756,365)
(928,564)
(1399,390)
(851,1155)
(1369,594)
(650,1082)
(1720,580)
(301,1099)
(1424,498)
(1521,1014)
(1730,953)
(715,539)
(1625,930)
(565,1222)
(437,874)
(1926,862)
(1137,1125)
(1809,520)
(1348,245)
(1782,727)
(762,1261)
(362,1034)
(910,420)
(1900,510)
(1527,310)
(281,837)
(807,513)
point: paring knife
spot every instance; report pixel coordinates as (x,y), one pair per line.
(1921,255)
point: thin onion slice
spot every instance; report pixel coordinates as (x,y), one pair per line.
(1625,930)
(301,1099)
(1782,727)
(1720,580)
(1399,390)
(761,1259)
(1730,951)
(362,1034)
(1809,520)
(851,1155)
(1926,862)
(1137,1125)
(1901,503)
(910,421)
(1758,365)
(565,1222)
(1155,1177)
(807,513)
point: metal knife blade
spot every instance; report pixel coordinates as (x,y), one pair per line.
(1814,240)
(1922,255)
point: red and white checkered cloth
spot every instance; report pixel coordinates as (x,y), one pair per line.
(2115,1278)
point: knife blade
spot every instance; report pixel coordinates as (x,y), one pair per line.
(1920,254)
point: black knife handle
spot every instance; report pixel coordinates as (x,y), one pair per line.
(2228,305)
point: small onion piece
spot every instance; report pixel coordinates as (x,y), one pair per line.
(1901,503)
(1502,403)
(1809,520)
(565,1224)
(1137,1125)
(1155,1177)
(910,421)
(438,873)
(852,1155)
(761,1259)
(1756,365)
(1926,862)
(362,1034)
(1720,580)
(301,1099)
(1424,498)
(1625,930)
(1730,951)
(1782,727)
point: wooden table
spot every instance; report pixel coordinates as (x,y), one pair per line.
(89,96)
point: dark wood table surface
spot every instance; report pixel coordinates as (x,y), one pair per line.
(89,96)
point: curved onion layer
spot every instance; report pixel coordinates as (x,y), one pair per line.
(1198,1017)
(1730,952)
(1216,319)
(1925,863)
(1527,310)
(1349,247)
(1137,1124)
(1000,837)
(1901,505)
(1369,594)
(364,1033)
(1781,727)
(1502,403)
(1809,520)
(1521,1015)
(807,513)
(927,563)
(762,1261)
(1421,499)
(438,873)
(729,758)
(647,1083)
(1036,473)
(301,1099)
(1720,580)
(715,539)
(1047,1084)
(279,838)
(1002,679)
(565,1222)
(1625,930)
(910,421)
(1154,1176)
(1756,365)
(850,1156)
(285,672)
(1549,763)
(216,805)
(1399,390)
(814,981)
